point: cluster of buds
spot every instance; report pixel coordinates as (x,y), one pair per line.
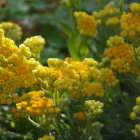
(94,107)
(36,45)
(135,8)
(115,41)
(136,131)
(135,115)
(12,30)
(136,110)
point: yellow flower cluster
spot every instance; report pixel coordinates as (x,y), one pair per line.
(120,57)
(94,87)
(85,23)
(109,16)
(16,66)
(79,115)
(108,11)
(47,138)
(12,30)
(112,21)
(135,115)
(37,104)
(73,77)
(130,25)
(36,45)
(115,41)
(135,8)
(93,107)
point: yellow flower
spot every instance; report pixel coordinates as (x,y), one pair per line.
(120,57)
(135,8)
(79,115)
(16,67)
(94,89)
(36,104)
(106,75)
(25,50)
(130,25)
(85,23)
(70,76)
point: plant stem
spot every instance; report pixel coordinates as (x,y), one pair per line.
(121,6)
(33,122)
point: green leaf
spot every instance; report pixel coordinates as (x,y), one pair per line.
(74,43)
(83,51)
(12,124)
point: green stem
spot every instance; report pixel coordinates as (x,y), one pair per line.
(121,6)
(89,121)
(33,122)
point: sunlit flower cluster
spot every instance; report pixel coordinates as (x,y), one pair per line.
(85,23)
(12,30)
(36,104)
(46,95)
(73,77)
(16,66)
